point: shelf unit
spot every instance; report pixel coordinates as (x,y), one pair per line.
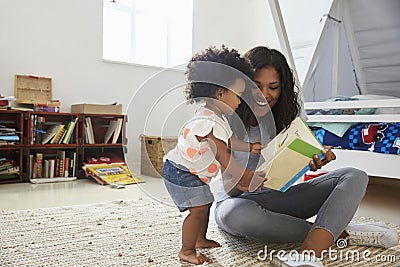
(32,127)
(100,124)
(13,152)
(58,158)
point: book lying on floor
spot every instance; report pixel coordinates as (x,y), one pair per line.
(288,155)
(113,173)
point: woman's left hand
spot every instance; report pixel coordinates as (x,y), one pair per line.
(317,163)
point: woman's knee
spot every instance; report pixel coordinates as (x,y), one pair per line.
(356,177)
(239,217)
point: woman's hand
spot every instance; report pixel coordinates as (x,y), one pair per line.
(256,148)
(317,163)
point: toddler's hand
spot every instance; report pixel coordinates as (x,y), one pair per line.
(256,148)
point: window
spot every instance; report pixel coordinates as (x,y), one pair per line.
(148,32)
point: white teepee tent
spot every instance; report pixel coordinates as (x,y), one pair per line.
(358,51)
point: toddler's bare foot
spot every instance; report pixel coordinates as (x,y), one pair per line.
(207,243)
(192,257)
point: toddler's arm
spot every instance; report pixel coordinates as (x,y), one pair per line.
(243,178)
(239,145)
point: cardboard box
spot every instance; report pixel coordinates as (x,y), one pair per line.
(153,149)
(29,89)
(96,109)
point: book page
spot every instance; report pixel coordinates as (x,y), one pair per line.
(288,155)
(297,129)
(279,173)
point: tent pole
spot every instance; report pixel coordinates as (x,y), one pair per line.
(283,37)
(316,47)
(336,52)
(355,56)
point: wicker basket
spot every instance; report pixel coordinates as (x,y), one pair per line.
(153,150)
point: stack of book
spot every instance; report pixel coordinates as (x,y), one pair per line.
(52,166)
(8,169)
(8,135)
(58,133)
(5,102)
(51,106)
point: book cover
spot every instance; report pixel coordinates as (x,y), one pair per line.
(61,166)
(39,160)
(50,133)
(58,135)
(70,130)
(66,167)
(117,130)
(110,130)
(111,173)
(89,131)
(90,128)
(52,167)
(288,155)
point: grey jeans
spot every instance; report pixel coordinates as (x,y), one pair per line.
(280,217)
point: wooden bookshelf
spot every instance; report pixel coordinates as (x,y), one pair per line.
(32,128)
(11,152)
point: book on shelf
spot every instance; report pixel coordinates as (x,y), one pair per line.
(8,169)
(89,135)
(46,168)
(66,167)
(70,129)
(9,138)
(30,166)
(113,130)
(110,130)
(51,132)
(52,166)
(61,164)
(117,131)
(8,135)
(288,155)
(57,137)
(39,161)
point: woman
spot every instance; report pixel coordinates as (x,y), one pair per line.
(281,217)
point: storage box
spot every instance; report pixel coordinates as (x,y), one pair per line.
(29,89)
(153,149)
(96,109)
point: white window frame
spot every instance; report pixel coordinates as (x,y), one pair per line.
(130,7)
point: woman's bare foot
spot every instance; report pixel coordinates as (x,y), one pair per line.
(207,243)
(192,257)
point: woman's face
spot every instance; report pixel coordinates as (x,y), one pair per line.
(267,92)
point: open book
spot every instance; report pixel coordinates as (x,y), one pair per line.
(288,155)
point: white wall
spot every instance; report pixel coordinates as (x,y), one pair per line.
(236,23)
(62,39)
(244,24)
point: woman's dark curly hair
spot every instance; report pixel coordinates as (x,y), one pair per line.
(287,107)
(215,68)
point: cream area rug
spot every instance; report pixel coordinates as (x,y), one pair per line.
(136,233)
